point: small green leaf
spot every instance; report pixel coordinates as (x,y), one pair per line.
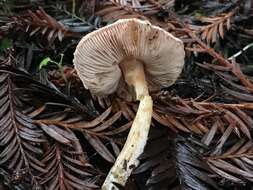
(4,44)
(44,62)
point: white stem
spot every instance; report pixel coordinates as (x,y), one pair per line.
(134,75)
(133,148)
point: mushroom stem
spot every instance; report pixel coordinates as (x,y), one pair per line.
(133,71)
(137,137)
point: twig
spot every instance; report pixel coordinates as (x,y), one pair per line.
(235,69)
(243,155)
(240,52)
(211,104)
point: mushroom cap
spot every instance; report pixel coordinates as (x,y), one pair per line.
(99,53)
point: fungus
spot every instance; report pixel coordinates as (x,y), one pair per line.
(129,53)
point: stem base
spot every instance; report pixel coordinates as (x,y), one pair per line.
(133,148)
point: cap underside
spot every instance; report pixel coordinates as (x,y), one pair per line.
(99,53)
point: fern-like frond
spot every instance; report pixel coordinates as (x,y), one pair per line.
(41,154)
(114,9)
(173,163)
(40,25)
(197,117)
(20,140)
(215,27)
(61,113)
(234,162)
(95,131)
(67,169)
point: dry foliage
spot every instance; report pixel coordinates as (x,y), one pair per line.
(199,141)
(215,26)
(38,154)
(41,24)
(114,9)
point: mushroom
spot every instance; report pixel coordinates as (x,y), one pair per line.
(129,53)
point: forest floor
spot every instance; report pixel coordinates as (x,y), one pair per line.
(55,135)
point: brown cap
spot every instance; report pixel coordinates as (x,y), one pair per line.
(99,53)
